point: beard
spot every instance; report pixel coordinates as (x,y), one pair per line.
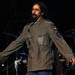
(34,17)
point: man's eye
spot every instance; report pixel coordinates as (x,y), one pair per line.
(36,9)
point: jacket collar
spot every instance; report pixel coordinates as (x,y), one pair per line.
(38,22)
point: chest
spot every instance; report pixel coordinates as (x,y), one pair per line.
(36,31)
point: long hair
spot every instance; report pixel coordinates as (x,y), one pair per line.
(44,9)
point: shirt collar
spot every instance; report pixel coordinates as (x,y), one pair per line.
(38,22)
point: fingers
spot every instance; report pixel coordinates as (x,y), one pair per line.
(73,61)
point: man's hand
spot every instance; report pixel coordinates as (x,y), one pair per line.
(72,61)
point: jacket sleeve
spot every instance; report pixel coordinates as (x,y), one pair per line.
(60,42)
(14,46)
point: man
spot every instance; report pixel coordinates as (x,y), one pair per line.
(38,35)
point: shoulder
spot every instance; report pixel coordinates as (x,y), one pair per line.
(25,28)
(50,24)
(48,21)
(27,25)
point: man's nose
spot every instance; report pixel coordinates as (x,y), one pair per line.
(34,11)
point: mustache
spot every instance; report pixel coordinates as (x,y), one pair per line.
(34,15)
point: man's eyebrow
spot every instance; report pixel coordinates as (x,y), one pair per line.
(35,9)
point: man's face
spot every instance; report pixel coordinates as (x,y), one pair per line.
(36,12)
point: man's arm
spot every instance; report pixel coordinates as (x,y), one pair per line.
(14,46)
(60,42)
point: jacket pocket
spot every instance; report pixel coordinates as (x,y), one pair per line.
(43,39)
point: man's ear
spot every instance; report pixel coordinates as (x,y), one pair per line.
(42,13)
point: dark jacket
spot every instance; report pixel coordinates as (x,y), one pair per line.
(38,37)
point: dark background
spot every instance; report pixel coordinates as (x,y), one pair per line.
(14,14)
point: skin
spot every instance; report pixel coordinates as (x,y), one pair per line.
(36,12)
(73,61)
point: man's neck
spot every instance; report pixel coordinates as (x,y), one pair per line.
(38,19)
